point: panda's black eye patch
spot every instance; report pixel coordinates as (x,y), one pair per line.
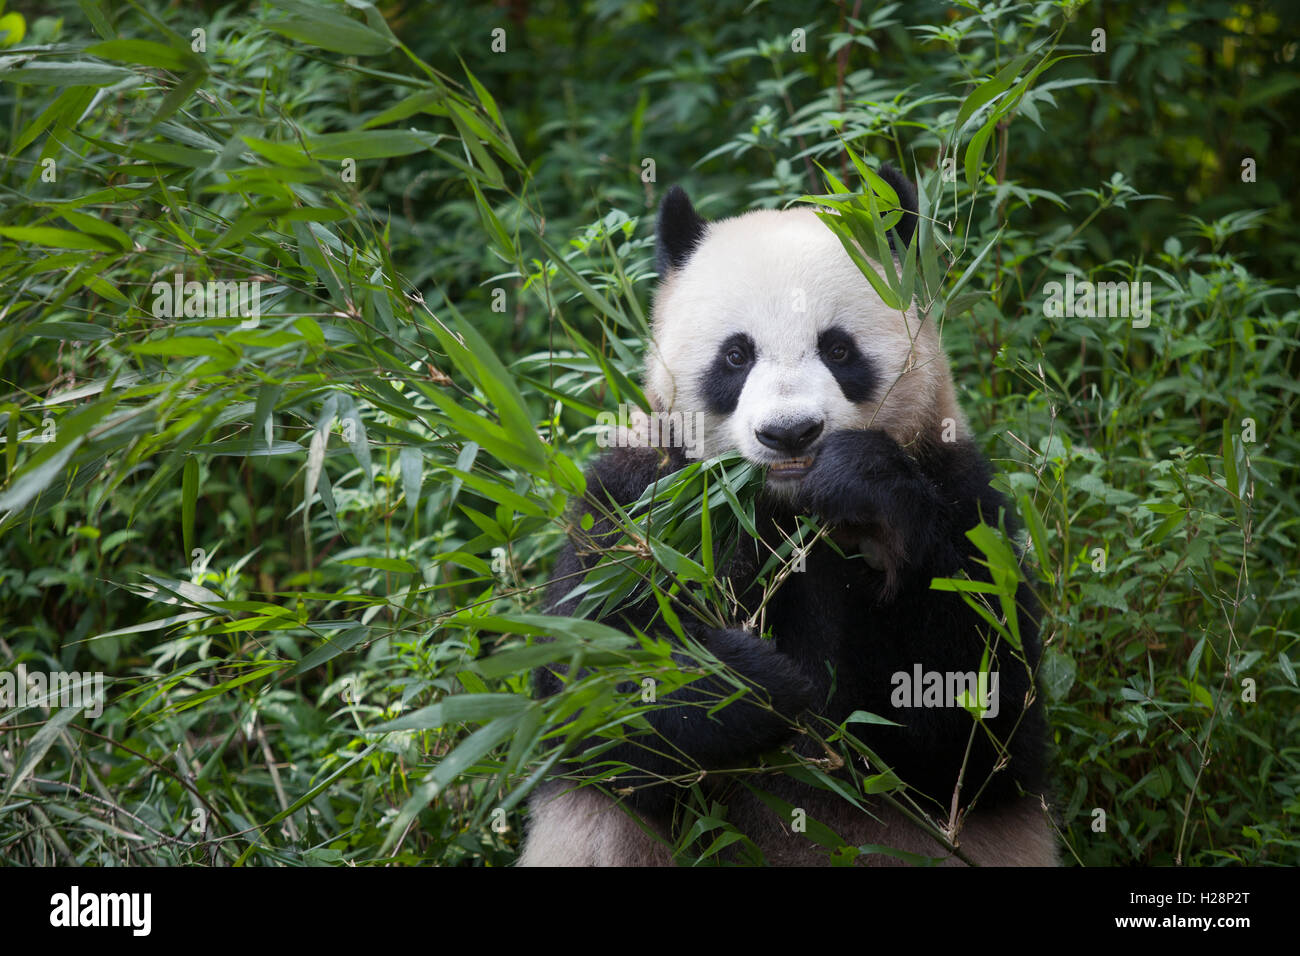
(725,379)
(852,370)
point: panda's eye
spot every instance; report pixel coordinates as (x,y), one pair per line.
(734,358)
(838,353)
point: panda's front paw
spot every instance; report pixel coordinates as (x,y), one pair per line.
(864,480)
(758,661)
(854,476)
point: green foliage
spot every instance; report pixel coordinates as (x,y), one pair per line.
(305,540)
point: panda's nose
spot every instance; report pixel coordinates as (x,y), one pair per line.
(790,439)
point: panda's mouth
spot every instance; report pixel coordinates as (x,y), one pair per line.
(790,468)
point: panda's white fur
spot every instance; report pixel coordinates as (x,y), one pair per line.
(583,827)
(782,278)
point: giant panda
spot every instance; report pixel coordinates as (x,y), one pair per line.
(765,329)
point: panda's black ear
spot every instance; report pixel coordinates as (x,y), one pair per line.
(678,231)
(901,234)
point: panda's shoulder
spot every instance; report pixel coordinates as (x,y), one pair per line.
(623,473)
(959,464)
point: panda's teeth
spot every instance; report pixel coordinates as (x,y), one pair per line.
(791,464)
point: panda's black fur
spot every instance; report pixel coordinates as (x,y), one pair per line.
(840,630)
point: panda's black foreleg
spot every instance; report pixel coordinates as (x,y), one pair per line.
(920,509)
(685,738)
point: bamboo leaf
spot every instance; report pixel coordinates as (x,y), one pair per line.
(57,238)
(189,499)
(411,465)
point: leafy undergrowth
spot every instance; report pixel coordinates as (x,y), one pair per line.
(279,527)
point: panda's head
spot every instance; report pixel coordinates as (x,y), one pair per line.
(769,336)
